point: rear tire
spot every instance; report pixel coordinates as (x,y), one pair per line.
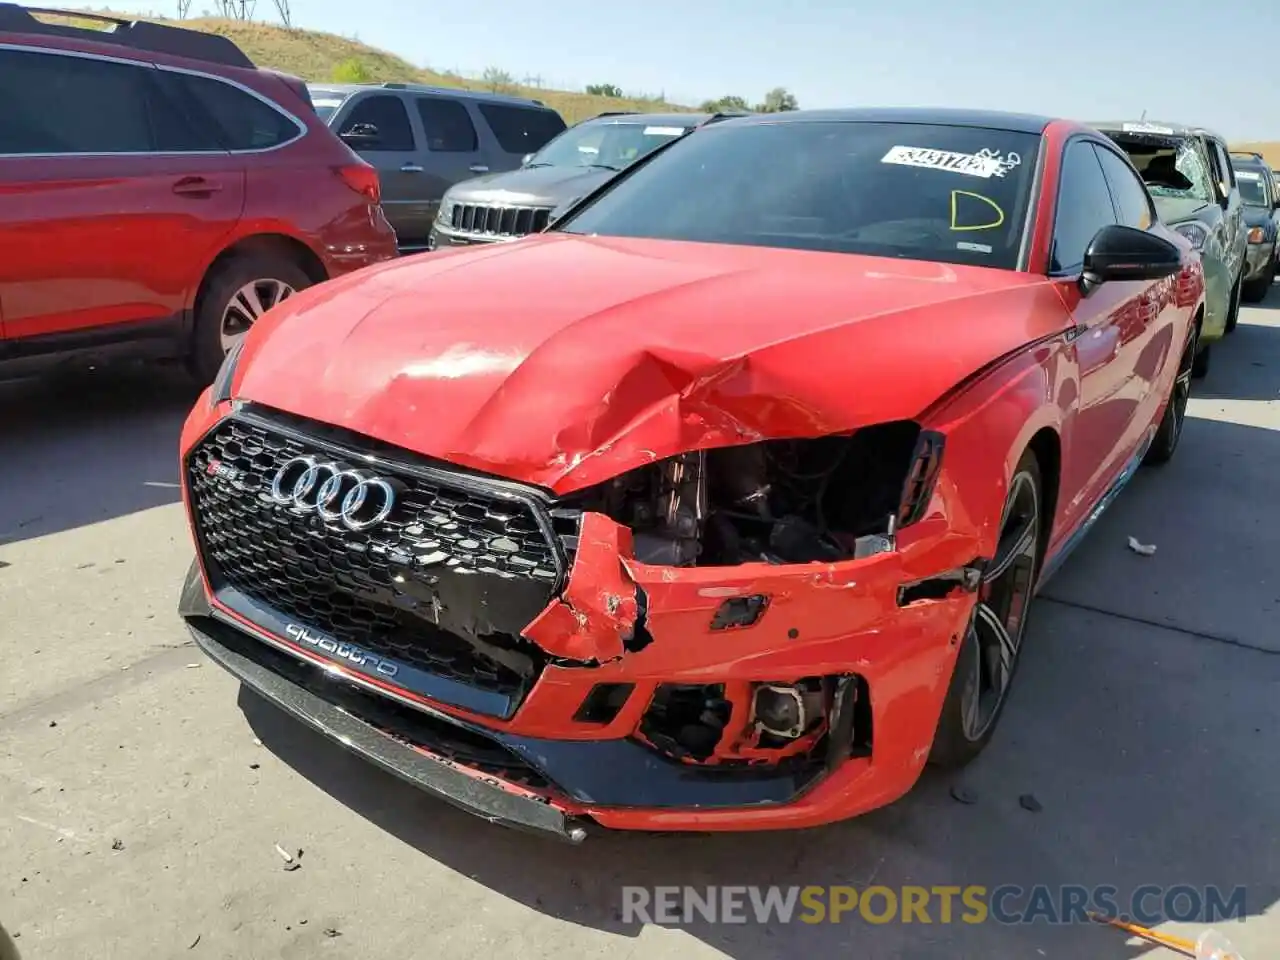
(237,292)
(990,649)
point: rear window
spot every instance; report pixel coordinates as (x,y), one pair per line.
(952,194)
(327,102)
(1255,186)
(243,121)
(521,129)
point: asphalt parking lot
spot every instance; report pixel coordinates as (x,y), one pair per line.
(142,795)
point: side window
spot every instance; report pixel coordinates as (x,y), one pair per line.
(1127,190)
(385,114)
(1229,172)
(242,121)
(1220,167)
(521,130)
(64,104)
(448,125)
(1084,206)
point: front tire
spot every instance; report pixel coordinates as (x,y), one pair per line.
(237,293)
(1233,311)
(1169,432)
(1200,366)
(992,644)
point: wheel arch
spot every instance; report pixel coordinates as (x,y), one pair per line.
(265,244)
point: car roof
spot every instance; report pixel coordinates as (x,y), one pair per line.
(458,92)
(653,119)
(991,119)
(1249,161)
(1153,128)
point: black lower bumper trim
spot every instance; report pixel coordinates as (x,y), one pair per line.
(463,791)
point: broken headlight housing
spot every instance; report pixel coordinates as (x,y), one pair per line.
(220,391)
(1195,232)
(779,501)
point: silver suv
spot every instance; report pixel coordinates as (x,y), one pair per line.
(423,140)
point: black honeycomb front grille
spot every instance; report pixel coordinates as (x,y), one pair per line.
(445,584)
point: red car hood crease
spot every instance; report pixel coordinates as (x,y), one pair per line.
(563,361)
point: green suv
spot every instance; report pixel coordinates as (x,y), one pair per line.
(1190,177)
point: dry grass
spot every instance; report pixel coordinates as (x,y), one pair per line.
(316,56)
(1270,151)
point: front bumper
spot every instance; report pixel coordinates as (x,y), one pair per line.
(1259,259)
(442,238)
(534,760)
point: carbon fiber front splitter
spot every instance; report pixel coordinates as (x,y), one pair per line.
(420,769)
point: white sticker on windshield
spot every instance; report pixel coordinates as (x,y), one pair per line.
(327,103)
(663,131)
(985,163)
(1146,128)
(1247,175)
(974,247)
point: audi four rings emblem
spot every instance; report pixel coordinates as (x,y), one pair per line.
(337,493)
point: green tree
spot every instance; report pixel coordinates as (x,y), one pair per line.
(351,71)
(725,104)
(604,90)
(778,100)
(498,81)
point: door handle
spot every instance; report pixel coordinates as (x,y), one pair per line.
(478,168)
(410,168)
(195,187)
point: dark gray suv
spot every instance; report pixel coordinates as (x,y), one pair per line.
(422,140)
(506,206)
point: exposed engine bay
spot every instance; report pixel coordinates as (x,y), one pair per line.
(781,501)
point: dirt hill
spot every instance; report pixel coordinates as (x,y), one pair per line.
(325,56)
(1269,151)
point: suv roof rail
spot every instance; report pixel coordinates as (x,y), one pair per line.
(615,113)
(1247,153)
(134,34)
(724,115)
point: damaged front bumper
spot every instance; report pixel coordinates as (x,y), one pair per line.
(556,767)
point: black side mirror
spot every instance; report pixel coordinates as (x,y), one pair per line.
(360,135)
(1126,253)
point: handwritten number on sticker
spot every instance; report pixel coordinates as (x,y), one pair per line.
(978,207)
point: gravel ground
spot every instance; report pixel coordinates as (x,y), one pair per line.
(142,794)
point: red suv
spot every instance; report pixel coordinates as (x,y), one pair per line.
(158,192)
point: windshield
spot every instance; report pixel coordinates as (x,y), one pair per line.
(326,102)
(1253,187)
(1171,168)
(929,192)
(612,145)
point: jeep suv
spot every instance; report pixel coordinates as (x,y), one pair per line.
(1190,177)
(1262,217)
(505,206)
(423,140)
(158,192)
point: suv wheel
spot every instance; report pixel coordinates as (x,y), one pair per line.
(1255,291)
(239,291)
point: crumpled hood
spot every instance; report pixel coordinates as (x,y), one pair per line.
(1173,210)
(530,186)
(562,361)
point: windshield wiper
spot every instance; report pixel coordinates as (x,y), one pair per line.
(604,166)
(540,163)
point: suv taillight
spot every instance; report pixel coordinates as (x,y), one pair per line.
(363,179)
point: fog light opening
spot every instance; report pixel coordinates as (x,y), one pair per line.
(787,711)
(686,721)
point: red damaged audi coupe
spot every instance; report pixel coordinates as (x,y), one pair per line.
(720,504)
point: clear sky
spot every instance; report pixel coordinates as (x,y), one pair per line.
(1207,62)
